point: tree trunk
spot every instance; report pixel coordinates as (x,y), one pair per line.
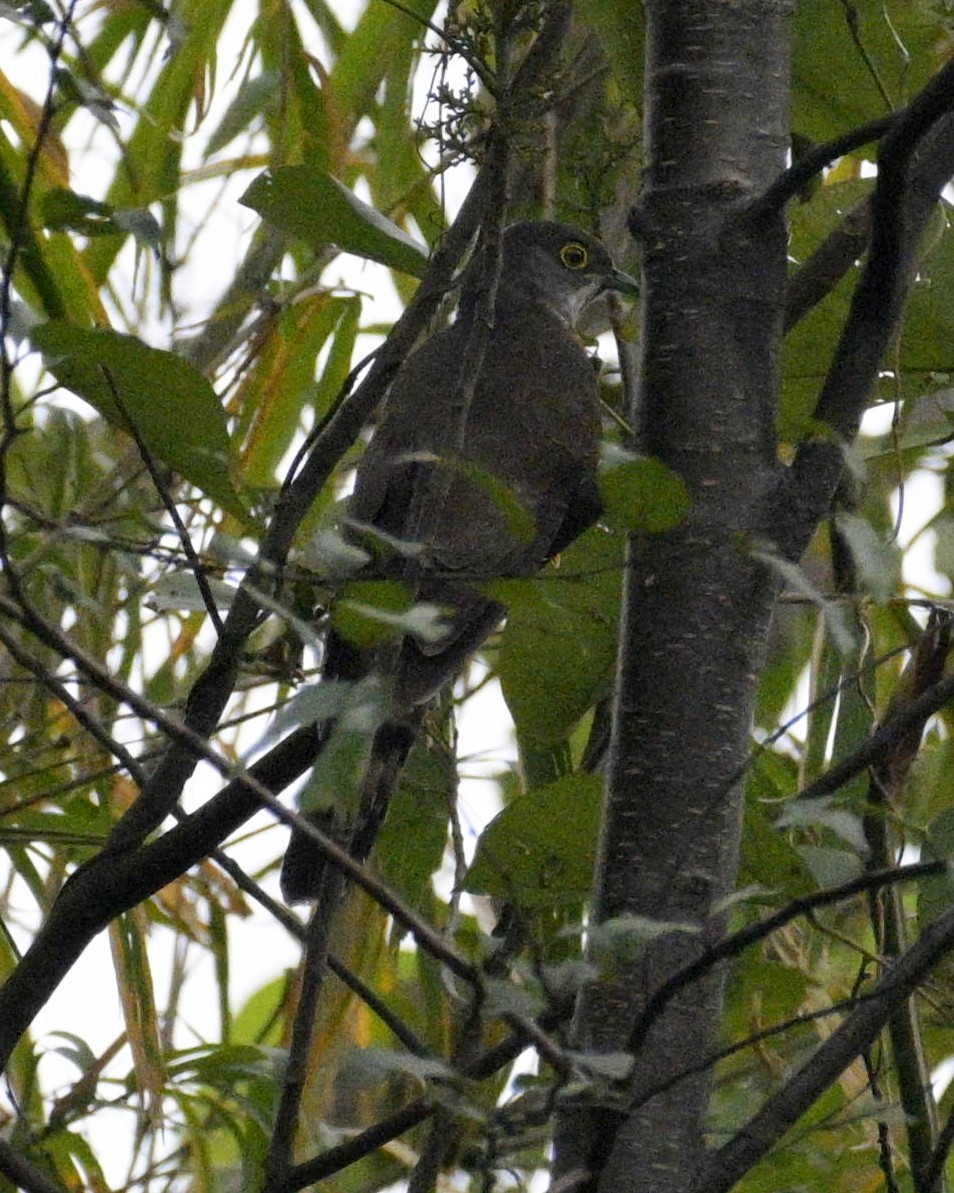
(697,602)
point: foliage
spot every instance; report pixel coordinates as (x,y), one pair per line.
(165,357)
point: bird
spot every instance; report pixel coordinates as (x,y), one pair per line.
(489,476)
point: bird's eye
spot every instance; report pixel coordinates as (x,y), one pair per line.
(574,255)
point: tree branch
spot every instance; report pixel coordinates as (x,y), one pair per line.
(24,1174)
(425,506)
(110,884)
(721,1172)
(82,716)
(883,741)
(915,161)
(804,169)
(736,944)
(934,1173)
(485,1065)
(162,489)
(290,922)
(86,905)
(210,693)
(280,1152)
(828,264)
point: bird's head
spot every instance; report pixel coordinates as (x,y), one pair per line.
(559,265)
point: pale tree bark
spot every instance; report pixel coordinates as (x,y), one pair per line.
(698,600)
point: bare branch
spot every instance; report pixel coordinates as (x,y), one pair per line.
(915,160)
(162,488)
(808,165)
(23,1173)
(934,1173)
(858,1032)
(829,263)
(280,1152)
(337,1158)
(114,881)
(82,717)
(883,741)
(736,944)
(290,922)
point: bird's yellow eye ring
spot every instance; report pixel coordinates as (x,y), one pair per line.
(574,255)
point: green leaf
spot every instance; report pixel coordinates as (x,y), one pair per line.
(180,590)
(827,667)
(797,580)
(854,718)
(620,26)
(64,210)
(342,763)
(315,206)
(936,895)
(74,1161)
(924,347)
(845,55)
(142,225)
(79,1052)
(252,98)
(541,849)
(36,12)
(385,1061)
(256,1022)
(173,407)
(281,383)
(826,813)
(809,346)
(506,997)
(411,843)
(223,1066)
(620,940)
(612,1066)
(558,648)
(369,612)
(641,494)
(831,867)
(519,522)
(312,703)
(380,36)
(150,167)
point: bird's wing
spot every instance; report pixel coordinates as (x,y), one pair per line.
(522,486)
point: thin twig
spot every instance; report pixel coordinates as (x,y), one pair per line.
(727,1165)
(198,571)
(80,714)
(736,943)
(880,744)
(934,1172)
(279,1159)
(844,246)
(459,45)
(290,922)
(915,161)
(336,1159)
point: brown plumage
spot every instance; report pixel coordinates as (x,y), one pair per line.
(530,442)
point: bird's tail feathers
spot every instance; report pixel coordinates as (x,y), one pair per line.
(304,863)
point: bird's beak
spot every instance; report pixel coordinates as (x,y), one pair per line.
(623,283)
